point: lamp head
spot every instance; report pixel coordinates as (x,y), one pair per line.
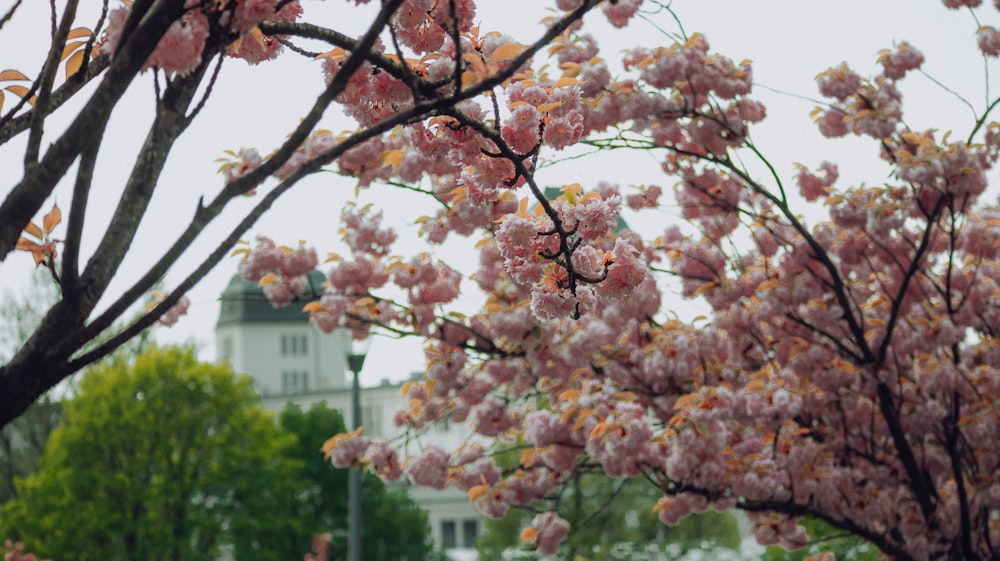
(357,352)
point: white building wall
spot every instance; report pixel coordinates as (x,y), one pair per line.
(259,350)
(271,352)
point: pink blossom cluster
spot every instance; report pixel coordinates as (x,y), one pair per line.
(895,64)
(551,531)
(15,552)
(181,49)
(826,338)
(288,269)
(371,94)
(988,39)
(424,25)
(866,107)
(315,145)
(955,168)
(346,450)
(384,461)
(244,161)
(430,468)
(363,232)
(647,197)
(540,113)
(812,186)
(173,315)
(429,283)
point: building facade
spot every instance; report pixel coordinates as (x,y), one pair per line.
(292,362)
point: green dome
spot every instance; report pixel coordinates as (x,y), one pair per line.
(244,302)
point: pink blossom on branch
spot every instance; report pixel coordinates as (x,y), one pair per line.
(846,362)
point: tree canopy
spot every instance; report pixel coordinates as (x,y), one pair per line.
(614,519)
(845,368)
(157,458)
(165,457)
(393,526)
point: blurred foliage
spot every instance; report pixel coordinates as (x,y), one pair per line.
(606,515)
(824,537)
(164,457)
(156,458)
(394,527)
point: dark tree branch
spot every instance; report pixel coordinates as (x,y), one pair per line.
(26,198)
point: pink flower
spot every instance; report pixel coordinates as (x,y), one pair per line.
(813,186)
(840,82)
(988,39)
(550,530)
(833,123)
(430,468)
(620,12)
(384,462)
(171,316)
(897,63)
(626,272)
(179,50)
(564,131)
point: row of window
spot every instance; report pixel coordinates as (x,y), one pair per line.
(294,345)
(449,533)
(291,345)
(294,382)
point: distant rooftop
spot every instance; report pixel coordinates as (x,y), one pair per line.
(244,302)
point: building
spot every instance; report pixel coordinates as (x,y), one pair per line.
(291,361)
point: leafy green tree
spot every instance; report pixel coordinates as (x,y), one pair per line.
(23,440)
(607,518)
(394,527)
(156,458)
(824,537)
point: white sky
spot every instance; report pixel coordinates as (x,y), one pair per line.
(789,41)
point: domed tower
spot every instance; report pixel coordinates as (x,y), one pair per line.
(278,348)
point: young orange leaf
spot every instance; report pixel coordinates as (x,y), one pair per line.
(522,208)
(392,158)
(315,307)
(478,491)
(507,52)
(70,47)
(566,81)
(74,63)
(34,230)
(546,107)
(7,75)
(21,91)
(79,33)
(268,280)
(529,535)
(52,219)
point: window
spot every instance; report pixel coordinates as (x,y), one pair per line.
(371,418)
(227,348)
(294,345)
(469,532)
(448,534)
(294,382)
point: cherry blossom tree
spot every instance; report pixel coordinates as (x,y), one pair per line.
(415,62)
(848,371)
(848,367)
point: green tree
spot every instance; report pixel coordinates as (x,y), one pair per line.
(394,527)
(609,518)
(154,459)
(824,537)
(23,440)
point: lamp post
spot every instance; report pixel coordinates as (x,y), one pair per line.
(355,360)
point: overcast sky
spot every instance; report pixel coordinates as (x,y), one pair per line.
(789,42)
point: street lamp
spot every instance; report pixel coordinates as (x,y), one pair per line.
(355,360)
